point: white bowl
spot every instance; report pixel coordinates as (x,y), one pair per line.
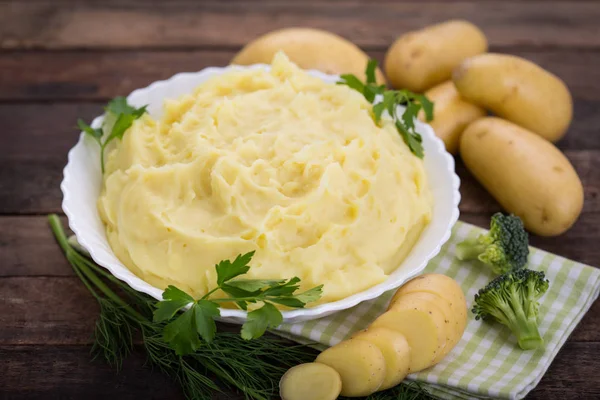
(82,184)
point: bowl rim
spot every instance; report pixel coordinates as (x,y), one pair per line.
(121,272)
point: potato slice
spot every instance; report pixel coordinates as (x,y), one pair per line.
(443,286)
(395,350)
(421,330)
(310,381)
(435,304)
(360,364)
(441,323)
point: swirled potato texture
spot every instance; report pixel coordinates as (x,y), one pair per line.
(273,161)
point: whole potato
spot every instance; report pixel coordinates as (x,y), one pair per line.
(309,49)
(528,175)
(421,59)
(517,90)
(451,114)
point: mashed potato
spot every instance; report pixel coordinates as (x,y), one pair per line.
(277,162)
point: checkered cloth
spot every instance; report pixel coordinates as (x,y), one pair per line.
(487,361)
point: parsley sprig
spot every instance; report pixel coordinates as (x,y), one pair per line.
(184,330)
(389,101)
(227,364)
(118,118)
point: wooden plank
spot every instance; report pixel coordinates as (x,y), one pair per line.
(28,248)
(47,372)
(100,75)
(46,24)
(43,372)
(571,375)
(46,311)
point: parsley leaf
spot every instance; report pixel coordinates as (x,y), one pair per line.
(289,302)
(205,312)
(412,141)
(352,81)
(252,285)
(310,295)
(268,316)
(122,123)
(237,292)
(285,289)
(182,334)
(174,299)
(118,118)
(370,72)
(227,270)
(427,105)
(389,101)
(119,105)
(184,331)
(96,134)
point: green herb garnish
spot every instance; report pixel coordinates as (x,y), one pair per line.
(184,332)
(389,102)
(229,363)
(118,118)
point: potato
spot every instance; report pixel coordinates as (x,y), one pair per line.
(310,381)
(438,313)
(361,366)
(421,59)
(395,350)
(443,286)
(430,301)
(423,332)
(452,114)
(309,49)
(517,90)
(528,175)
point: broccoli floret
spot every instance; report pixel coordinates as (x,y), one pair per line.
(504,248)
(512,299)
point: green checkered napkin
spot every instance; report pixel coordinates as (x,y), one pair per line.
(487,361)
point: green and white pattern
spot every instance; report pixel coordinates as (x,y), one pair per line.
(487,361)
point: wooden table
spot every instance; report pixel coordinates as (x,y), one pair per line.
(63,59)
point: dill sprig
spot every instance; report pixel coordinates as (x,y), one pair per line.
(229,363)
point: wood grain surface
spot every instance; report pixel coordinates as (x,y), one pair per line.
(61,60)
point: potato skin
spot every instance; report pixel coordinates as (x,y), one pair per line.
(309,49)
(421,59)
(451,114)
(528,175)
(517,90)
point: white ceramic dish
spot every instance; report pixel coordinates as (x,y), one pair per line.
(82,183)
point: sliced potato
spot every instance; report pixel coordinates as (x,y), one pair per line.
(310,381)
(361,366)
(395,350)
(437,304)
(432,308)
(443,286)
(308,48)
(420,328)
